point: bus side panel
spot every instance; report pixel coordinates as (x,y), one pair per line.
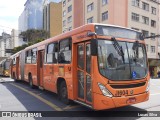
(49,77)
(31,69)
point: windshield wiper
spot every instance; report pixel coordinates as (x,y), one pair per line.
(118,48)
(135,49)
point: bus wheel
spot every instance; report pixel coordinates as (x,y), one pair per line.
(31,81)
(63,94)
(14,77)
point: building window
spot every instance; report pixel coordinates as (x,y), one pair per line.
(135,3)
(145,6)
(145,33)
(90,7)
(153,10)
(135,17)
(70,8)
(153,23)
(70,28)
(146,47)
(69,0)
(90,20)
(64,13)
(69,19)
(153,34)
(64,23)
(104,2)
(64,3)
(104,16)
(152,49)
(145,20)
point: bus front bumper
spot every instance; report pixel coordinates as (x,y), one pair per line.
(102,102)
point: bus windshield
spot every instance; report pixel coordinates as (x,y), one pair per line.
(132,64)
(7,65)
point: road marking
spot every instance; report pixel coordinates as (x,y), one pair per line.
(155,94)
(40,98)
(71,107)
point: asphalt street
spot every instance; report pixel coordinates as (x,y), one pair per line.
(18,96)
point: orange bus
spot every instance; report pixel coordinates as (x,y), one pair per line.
(4,67)
(97,65)
(14,66)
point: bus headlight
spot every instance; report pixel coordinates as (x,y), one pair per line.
(148,86)
(104,90)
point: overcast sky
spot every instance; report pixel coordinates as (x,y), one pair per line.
(10,10)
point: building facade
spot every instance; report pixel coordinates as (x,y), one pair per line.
(16,39)
(68,15)
(52,17)
(5,43)
(32,16)
(141,15)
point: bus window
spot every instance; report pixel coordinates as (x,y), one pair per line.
(65,52)
(7,65)
(14,61)
(28,56)
(52,53)
(34,55)
(81,56)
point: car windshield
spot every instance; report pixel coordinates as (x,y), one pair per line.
(132,64)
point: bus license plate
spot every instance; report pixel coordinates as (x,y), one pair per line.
(131,100)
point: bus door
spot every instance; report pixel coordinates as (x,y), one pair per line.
(40,67)
(17,68)
(84,72)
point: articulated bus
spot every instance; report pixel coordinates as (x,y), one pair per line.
(4,67)
(97,65)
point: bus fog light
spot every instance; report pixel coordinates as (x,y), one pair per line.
(148,86)
(104,90)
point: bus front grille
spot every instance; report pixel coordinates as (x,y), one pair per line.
(128,86)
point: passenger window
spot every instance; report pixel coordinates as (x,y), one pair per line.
(65,51)
(28,56)
(52,53)
(34,55)
(14,61)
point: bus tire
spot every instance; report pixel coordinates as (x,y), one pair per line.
(63,94)
(14,77)
(30,81)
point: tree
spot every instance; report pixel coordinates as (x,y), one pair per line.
(32,35)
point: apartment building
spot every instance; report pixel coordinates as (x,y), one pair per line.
(16,39)
(67,15)
(52,17)
(141,15)
(5,43)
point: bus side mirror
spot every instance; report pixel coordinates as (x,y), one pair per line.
(94,47)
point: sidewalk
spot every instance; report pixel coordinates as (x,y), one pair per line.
(7,79)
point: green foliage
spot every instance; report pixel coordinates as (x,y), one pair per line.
(32,36)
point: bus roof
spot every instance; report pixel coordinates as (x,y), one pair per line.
(87,27)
